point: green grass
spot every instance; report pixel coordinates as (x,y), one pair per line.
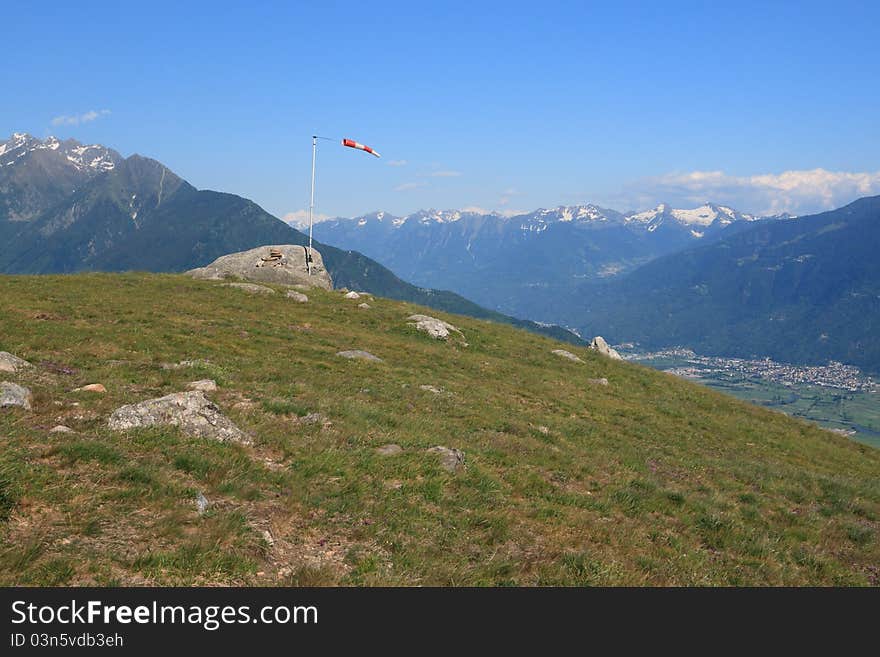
(651,480)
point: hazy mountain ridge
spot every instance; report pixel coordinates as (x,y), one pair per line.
(797,291)
(527,264)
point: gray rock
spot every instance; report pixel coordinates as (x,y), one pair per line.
(253,288)
(451,460)
(259,265)
(192,412)
(435,390)
(358,354)
(299,297)
(364,306)
(205,385)
(598,344)
(567,354)
(92,387)
(12,394)
(61,429)
(389,450)
(599,382)
(310,418)
(10,363)
(436,328)
(352,295)
(202,503)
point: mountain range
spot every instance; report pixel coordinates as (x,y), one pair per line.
(797,291)
(723,282)
(524,264)
(67,207)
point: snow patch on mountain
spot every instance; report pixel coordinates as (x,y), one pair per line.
(95,158)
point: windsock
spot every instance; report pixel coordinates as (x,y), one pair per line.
(351,143)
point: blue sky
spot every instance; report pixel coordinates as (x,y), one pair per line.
(503,106)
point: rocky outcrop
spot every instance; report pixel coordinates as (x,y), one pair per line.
(451,460)
(192,412)
(599,345)
(567,354)
(284,264)
(10,363)
(436,328)
(12,394)
(358,354)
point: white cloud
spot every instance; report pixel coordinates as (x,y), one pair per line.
(405,187)
(397,163)
(300,218)
(507,194)
(77,119)
(445,174)
(797,192)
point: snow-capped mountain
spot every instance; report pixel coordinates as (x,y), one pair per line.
(94,158)
(37,173)
(514,263)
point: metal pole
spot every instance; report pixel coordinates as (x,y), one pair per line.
(312,199)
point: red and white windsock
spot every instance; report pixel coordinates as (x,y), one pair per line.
(351,143)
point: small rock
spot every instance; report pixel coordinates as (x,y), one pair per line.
(299,297)
(61,429)
(436,328)
(365,306)
(359,354)
(544,430)
(192,412)
(311,418)
(205,385)
(92,387)
(451,460)
(253,288)
(185,363)
(567,354)
(352,295)
(598,344)
(12,394)
(10,363)
(389,450)
(427,388)
(202,503)
(267,536)
(599,382)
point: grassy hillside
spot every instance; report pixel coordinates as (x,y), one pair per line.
(648,480)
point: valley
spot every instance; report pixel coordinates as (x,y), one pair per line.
(835,396)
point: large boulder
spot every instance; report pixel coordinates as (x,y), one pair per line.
(10,363)
(12,394)
(284,264)
(599,345)
(195,414)
(436,328)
